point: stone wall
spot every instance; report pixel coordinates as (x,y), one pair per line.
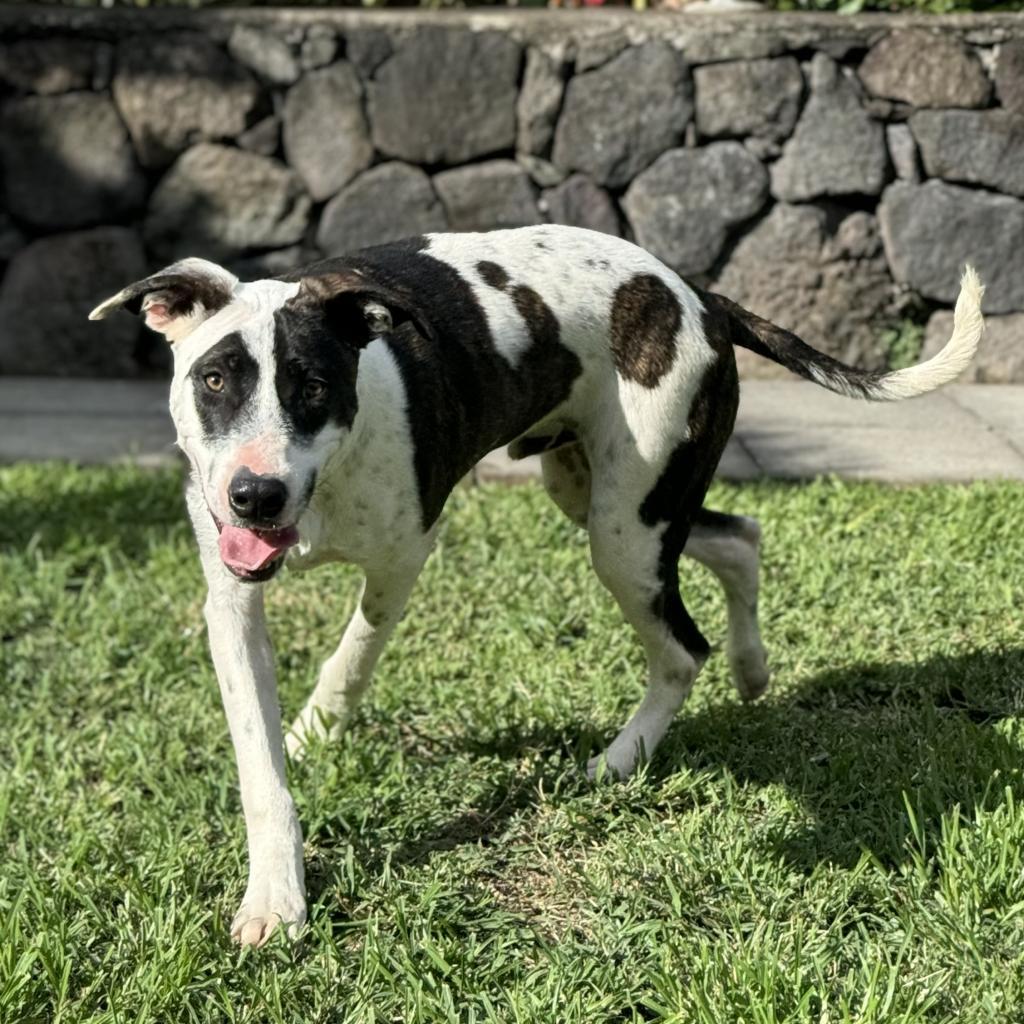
(832,174)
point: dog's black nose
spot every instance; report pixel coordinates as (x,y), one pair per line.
(257,499)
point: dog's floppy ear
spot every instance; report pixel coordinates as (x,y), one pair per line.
(175,300)
(358,308)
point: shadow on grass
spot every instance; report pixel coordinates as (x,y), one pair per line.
(846,746)
(82,511)
(854,745)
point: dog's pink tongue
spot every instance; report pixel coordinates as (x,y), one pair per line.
(251,550)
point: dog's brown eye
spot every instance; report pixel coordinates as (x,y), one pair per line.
(214,381)
(314,389)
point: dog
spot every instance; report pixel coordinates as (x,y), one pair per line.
(327,415)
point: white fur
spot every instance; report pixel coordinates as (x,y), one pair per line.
(945,366)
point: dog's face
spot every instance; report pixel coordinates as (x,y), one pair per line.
(264,391)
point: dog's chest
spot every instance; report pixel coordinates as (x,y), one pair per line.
(366,508)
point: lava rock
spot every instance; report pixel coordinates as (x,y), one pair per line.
(446,96)
(932,230)
(617,119)
(682,207)
(494,194)
(816,272)
(836,148)
(925,69)
(67,162)
(326,137)
(178,90)
(217,202)
(45,299)
(760,98)
(388,202)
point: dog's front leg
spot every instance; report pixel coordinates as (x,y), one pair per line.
(244,661)
(347,673)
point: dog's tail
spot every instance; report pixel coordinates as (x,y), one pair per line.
(786,349)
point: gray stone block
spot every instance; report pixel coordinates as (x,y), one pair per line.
(932,230)
(175,90)
(826,281)
(577,201)
(1009,74)
(319,47)
(388,202)
(903,152)
(682,207)
(748,97)
(265,53)
(925,69)
(45,299)
(218,202)
(67,162)
(979,147)
(495,194)
(616,120)
(837,148)
(326,137)
(446,97)
(540,99)
(1000,358)
(264,137)
(367,49)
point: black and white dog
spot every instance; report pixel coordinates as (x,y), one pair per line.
(328,414)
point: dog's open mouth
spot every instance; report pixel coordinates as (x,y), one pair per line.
(254,555)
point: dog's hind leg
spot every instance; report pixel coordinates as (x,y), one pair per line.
(346,674)
(566,474)
(725,544)
(637,562)
(728,546)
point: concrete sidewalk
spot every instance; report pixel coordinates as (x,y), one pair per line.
(786,429)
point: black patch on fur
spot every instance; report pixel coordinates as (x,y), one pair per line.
(463,397)
(183,291)
(523,447)
(231,359)
(644,321)
(678,494)
(752,332)
(306,349)
(719,523)
(492,274)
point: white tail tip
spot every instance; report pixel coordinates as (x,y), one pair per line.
(947,364)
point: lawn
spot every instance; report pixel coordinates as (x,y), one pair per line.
(847,849)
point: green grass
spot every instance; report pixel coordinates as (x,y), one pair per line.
(847,849)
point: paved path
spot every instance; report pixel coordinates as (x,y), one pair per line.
(786,429)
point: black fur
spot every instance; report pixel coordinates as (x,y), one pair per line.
(677,496)
(183,292)
(752,332)
(495,276)
(306,350)
(231,359)
(644,324)
(463,396)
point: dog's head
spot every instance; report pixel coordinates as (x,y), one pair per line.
(264,388)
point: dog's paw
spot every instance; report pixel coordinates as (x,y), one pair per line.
(296,742)
(312,725)
(605,767)
(750,673)
(265,908)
